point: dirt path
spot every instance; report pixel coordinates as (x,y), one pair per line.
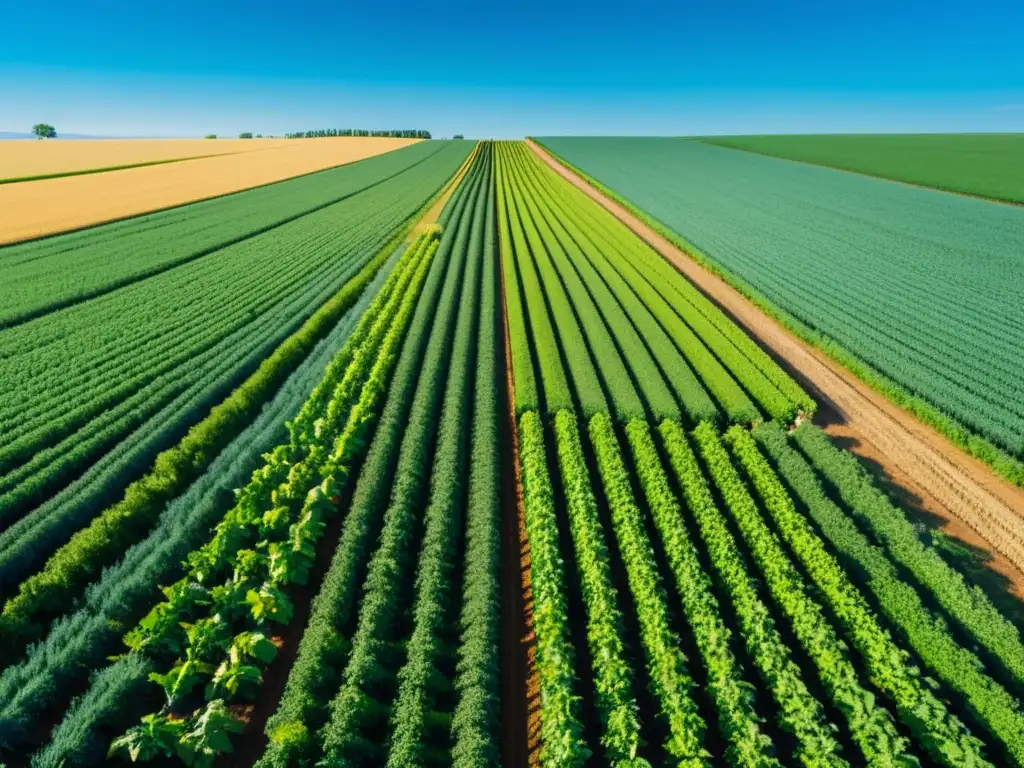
(970,502)
(520,686)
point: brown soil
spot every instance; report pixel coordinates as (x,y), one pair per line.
(253,741)
(37,208)
(961,495)
(520,686)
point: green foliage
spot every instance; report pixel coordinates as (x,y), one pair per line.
(799,712)
(87,635)
(733,696)
(441,411)
(613,677)
(48,592)
(871,727)
(44,131)
(304,479)
(888,665)
(323,652)
(330,132)
(844,276)
(986,165)
(475,726)
(967,605)
(530,325)
(207,326)
(245,135)
(671,683)
(589,351)
(560,729)
(927,635)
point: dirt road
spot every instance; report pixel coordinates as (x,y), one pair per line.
(972,503)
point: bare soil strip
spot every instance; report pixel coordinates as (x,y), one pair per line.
(520,686)
(924,469)
(36,208)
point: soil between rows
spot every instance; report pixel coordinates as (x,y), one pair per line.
(936,481)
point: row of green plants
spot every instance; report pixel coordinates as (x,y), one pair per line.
(953,427)
(613,676)
(298,728)
(47,593)
(216,623)
(712,374)
(777,393)
(415,558)
(799,711)
(966,604)
(315,676)
(926,634)
(670,679)
(577,321)
(889,667)
(870,725)
(531,335)
(595,302)
(732,694)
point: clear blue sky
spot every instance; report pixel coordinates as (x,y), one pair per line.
(512,68)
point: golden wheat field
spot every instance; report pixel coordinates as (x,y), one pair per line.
(31,158)
(36,208)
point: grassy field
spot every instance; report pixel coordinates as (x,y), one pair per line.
(984,165)
(37,208)
(853,258)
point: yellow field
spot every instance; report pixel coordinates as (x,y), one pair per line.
(34,208)
(30,157)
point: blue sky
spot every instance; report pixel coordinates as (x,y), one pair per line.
(510,69)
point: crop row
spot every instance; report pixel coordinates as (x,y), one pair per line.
(697,542)
(59,271)
(660,347)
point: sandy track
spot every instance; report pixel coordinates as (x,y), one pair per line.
(974,504)
(35,208)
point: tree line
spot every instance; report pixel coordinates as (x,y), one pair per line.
(324,132)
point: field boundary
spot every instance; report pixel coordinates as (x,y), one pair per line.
(966,489)
(917,185)
(1006,466)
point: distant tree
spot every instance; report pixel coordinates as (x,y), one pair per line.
(211,136)
(245,135)
(456,136)
(259,135)
(44,131)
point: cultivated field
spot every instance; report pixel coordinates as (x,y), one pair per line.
(457,470)
(33,159)
(36,208)
(984,165)
(886,277)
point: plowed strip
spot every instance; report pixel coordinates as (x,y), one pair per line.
(948,483)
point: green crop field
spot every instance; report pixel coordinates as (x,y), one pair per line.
(921,286)
(985,165)
(508,491)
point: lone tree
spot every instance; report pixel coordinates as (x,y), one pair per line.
(44,131)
